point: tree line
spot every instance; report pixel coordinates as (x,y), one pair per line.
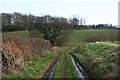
(18,21)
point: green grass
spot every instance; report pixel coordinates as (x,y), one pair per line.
(23,34)
(100,60)
(36,69)
(65,68)
(78,37)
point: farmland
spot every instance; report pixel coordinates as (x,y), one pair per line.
(22,34)
(79,37)
(93,48)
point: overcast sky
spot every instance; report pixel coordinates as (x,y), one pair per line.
(95,11)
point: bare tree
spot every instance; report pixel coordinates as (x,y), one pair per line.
(25,22)
(74,21)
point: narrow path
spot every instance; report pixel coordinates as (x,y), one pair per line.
(49,73)
(83,75)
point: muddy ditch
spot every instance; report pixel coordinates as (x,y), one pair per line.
(83,75)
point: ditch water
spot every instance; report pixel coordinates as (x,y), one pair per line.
(79,69)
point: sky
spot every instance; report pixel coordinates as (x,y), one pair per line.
(94,11)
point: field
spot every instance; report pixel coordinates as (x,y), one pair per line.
(96,50)
(79,37)
(22,34)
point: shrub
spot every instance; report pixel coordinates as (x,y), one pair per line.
(17,51)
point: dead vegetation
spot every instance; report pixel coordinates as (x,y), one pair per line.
(16,52)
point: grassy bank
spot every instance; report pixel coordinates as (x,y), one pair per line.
(100,60)
(36,68)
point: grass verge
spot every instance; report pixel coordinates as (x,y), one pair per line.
(35,69)
(101,61)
